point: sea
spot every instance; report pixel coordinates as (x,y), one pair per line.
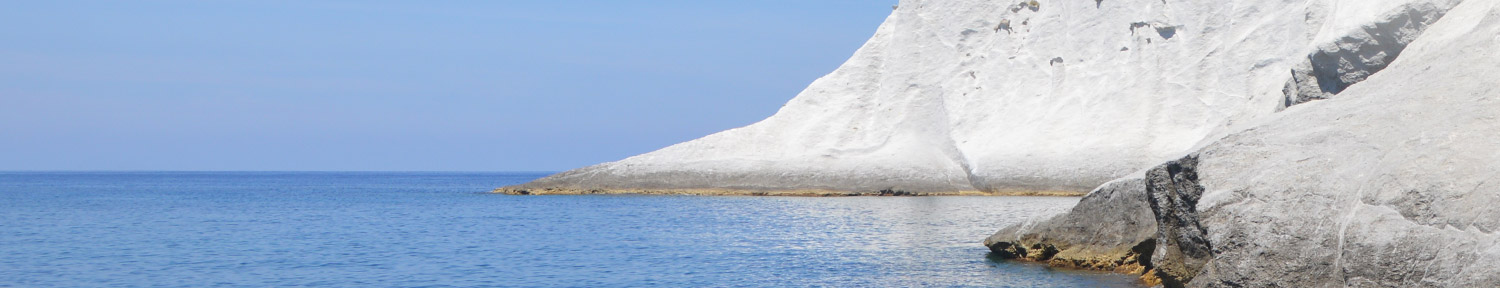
(421,229)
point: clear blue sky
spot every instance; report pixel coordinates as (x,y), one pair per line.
(399,85)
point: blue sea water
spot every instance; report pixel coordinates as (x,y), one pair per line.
(316,229)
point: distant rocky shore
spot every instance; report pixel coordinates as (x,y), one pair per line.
(753,192)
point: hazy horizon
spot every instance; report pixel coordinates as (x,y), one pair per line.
(470,86)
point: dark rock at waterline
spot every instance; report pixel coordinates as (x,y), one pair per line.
(1111,229)
(1173,191)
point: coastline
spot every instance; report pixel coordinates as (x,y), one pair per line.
(1134,261)
(1113,229)
(1117,259)
(784,192)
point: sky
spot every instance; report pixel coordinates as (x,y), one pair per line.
(399,85)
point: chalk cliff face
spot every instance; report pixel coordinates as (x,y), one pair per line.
(1018,97)
(1391,183)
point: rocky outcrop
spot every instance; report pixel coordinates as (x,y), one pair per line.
(1391,184)
(1111,229)
(1182,245)
(1145,226)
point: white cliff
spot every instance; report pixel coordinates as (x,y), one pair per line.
(1307,143)
(1020,97)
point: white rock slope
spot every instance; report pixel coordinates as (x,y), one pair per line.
(1393,183)
(982,96)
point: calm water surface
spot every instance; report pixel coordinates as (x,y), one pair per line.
(270,229)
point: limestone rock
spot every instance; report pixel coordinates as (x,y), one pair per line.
(1172,190)
(996,97)
(1363,52)
(1111,229)
(1390,184)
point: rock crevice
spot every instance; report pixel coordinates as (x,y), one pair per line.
(1355,57)
(1183,247)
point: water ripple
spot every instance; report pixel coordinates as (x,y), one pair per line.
(173,229)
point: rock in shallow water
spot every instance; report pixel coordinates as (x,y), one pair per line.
(1102,232)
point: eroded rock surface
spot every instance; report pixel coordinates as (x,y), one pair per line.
(1182,245)
(1009,98)
(1391,184)
(1111,229)
(1338,64)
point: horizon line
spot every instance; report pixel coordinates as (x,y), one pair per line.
(278,171)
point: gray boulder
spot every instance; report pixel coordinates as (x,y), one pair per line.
(1111,229)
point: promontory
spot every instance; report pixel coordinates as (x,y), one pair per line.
(1237,143)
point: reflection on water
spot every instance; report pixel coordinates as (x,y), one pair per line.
(438,229)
